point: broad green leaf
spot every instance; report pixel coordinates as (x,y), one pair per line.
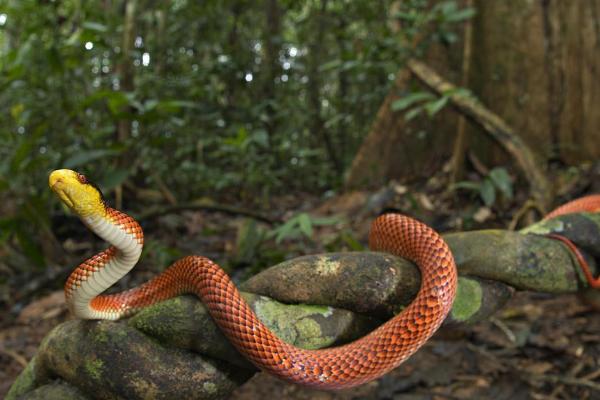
(406,16)
(172,106)
(305,225)
(150,105)
(117,101)
(460,15)
(348,65)
(487,191)
(100,95)
(260,137)
(94,26)
(323,221)
(285,231)
(467,185)
(413,113)
(435,106)
(25,49)
(411,99)
(351,242)
(501,180)
(330,65)
(458,91)
(74,39)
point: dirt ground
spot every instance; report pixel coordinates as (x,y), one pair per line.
(537,347)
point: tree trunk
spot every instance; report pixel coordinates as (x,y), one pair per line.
(534,65)
(272,41)
(457,161)
(125,74)
(398,149)
(342,42)
(314,89)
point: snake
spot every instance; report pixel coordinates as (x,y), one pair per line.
(344,366)
(590,204)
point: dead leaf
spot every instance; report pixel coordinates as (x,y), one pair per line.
(482,214)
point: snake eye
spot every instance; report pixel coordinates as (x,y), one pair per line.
(82,179)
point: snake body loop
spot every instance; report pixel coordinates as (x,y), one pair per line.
(333,368)
(340,367)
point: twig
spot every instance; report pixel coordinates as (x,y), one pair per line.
(155,212)
(497,361)
(505,329)
(15,356)
(557,390)
(168,194)
(478,165)
(435,395)
(592,376)
(565,380)
(529,205)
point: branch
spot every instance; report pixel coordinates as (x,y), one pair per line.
(168,350)
(495,126)
(155,212)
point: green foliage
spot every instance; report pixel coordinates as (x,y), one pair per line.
(301,224)
(497,181)
(417,15)
(411,99)
(250,237)
(215,98)
(254,243)
(420,101)
(159,254)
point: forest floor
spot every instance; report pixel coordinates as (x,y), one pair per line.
(539,346)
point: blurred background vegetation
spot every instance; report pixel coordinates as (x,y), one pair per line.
(219,99)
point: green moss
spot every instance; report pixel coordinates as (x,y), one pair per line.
(56,390)
(210,387)
(325,311)
(544,227)
(311,335)
(24,383)
(101,336)
(296,324)
(149,319)
(468,299)
(144,388)
(94,369)
(326,266)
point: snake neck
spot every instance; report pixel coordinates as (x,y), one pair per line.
(101,271)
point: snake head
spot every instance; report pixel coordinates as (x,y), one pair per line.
(76,192)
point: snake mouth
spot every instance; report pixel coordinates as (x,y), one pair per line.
(64,196)
(56,186)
